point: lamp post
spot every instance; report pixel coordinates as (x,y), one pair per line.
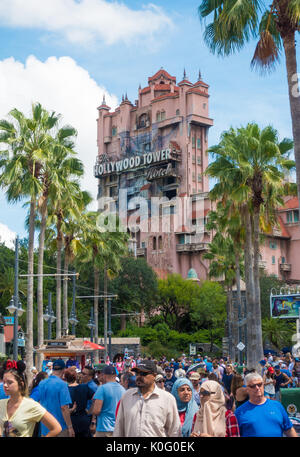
(109,333)
(72,319)
(49,316)
(91,325)
(15,306)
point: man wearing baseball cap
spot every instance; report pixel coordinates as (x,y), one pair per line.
(105,403)
(55,397)
(147,411)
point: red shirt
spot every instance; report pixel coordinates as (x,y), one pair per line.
(232,427)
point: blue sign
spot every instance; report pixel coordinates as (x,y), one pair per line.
(21,342)
(9,320)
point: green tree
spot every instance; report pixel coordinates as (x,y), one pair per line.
(209,310)
(175,298)
(250,164)
(136,286)
(235,22)
(277,332)
(21,164)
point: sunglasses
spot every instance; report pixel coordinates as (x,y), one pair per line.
(161,381)
(143,373)
(252,386)
(205,393)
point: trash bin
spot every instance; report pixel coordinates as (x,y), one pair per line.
(290,400)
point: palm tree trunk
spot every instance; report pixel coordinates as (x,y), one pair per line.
(105,311)
(65,291)
(58,281)
(230,322)
(257,323)
(289,45)
(123,323)
(96,309)
(29,314)
(250,292)
(237,316)
(40,298)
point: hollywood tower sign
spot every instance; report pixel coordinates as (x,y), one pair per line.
(156,147)
(129,163)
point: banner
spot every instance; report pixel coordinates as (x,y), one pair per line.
(285,306)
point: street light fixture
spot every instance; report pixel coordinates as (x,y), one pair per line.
(49,316)
(15,307)
(73,319)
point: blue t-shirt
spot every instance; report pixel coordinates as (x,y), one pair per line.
(209,366)
(267,420)
(93,386)
(110,393)
(35,394)
(2,393)
(54,394)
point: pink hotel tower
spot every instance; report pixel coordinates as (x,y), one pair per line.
(151,160)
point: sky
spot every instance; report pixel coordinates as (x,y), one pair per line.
(67,54)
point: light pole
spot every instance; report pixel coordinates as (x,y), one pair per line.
(15,306)
(91,325)
(72,319)
(109,333)
(49,316)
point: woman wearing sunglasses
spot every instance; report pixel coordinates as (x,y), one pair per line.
(20,414)
(187,407)
(213,418)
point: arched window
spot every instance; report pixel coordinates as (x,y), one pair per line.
(142,120)
(154,243)
(177,112)
(163,115)
(160,245)
(114,131)
(158,116)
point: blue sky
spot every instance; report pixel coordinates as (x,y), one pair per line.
(68,53)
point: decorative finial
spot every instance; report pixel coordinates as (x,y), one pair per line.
(122,98)
(184,74)
(126,98)
(200,76)
(103,101)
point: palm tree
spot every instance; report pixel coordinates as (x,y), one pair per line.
(227,223)
(222,265)
(64,205)
(275,26)
(276,332)
(58,167)
(73,236)
(249,162)
(104,249)
(27,141)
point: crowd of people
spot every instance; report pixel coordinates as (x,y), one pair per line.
(135,397)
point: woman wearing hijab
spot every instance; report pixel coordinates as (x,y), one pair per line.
(182,390)
(213,418)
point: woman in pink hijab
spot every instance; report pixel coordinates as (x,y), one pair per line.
(213,418)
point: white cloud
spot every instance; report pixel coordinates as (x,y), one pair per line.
(85,21)
(62,86)
(7,236)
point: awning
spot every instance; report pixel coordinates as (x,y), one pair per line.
(93,345)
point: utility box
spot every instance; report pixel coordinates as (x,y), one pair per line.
(290,400)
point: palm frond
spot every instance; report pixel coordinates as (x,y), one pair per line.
(266,54)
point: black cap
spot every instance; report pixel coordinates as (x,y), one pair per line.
(59,365)
(147,366)
(109,369)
